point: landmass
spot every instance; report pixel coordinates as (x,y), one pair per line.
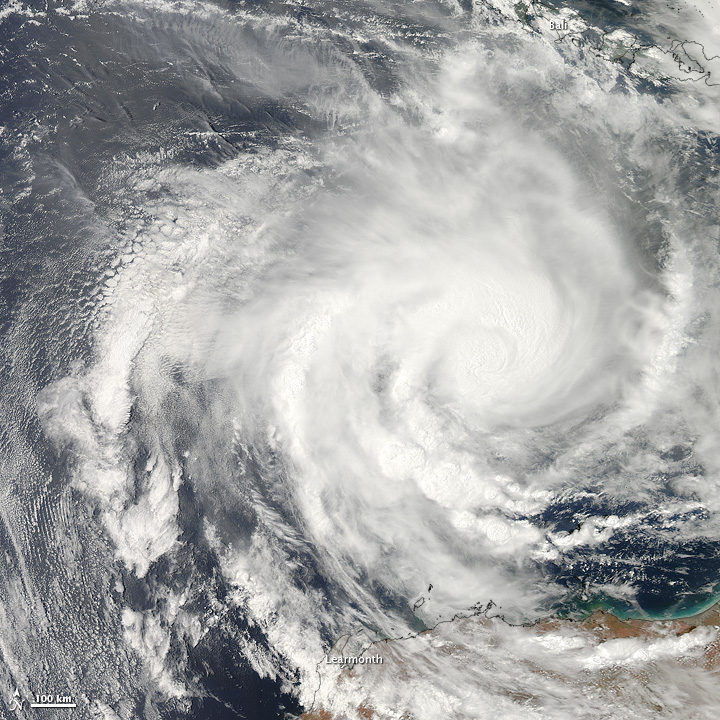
(602,625)
(683,60)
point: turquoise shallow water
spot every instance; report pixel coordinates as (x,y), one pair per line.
(687,607)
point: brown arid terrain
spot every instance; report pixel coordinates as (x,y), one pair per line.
(609,627)
(363,712)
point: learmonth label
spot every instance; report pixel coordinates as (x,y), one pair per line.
(354,660)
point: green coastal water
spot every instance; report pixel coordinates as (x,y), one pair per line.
(687,607)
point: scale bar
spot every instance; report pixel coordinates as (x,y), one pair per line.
(53,705)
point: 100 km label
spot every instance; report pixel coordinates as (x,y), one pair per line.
(53,699)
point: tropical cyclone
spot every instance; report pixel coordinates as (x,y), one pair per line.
(375,313)
(445,312)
